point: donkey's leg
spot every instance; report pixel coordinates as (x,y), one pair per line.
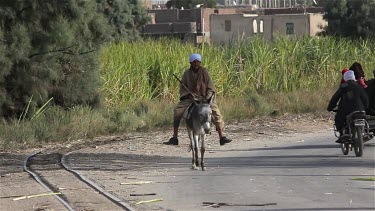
(190,133)
(196,145)
(203,149)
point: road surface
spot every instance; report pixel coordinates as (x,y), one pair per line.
(309,173)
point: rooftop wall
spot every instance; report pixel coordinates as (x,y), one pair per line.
(171,28)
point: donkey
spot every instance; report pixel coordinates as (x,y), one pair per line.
(198,125)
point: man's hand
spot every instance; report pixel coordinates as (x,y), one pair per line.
(210,97)
(209,94)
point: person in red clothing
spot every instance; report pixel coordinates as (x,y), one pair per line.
(343,71)
(359,74)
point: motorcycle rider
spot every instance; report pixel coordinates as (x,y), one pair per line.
(351,97)
(371,95)
(359,74)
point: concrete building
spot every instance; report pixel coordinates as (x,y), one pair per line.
(228,23)
(261,3)
(225,28)
(152,4)
(185,24)
(158,4)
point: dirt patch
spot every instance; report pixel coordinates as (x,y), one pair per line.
(254,133)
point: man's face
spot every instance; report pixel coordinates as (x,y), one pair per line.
(195,64)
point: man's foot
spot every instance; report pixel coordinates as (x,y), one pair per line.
(339,141)
(224,140)
(172,141)
(344,138)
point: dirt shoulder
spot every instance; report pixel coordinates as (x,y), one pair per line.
(255,132)
(258,132)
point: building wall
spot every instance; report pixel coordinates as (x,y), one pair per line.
(175,15)
(161,28)
(200,16)
(207,12)
(242,26)
(164,16)
(263,3)
(304,24)
(292,10)
(152,18)
(239,26)
(300,24)
(171,28)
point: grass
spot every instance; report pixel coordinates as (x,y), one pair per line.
(253,78)
(143,70)
(56,125)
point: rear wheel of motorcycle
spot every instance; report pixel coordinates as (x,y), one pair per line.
(345,148)
(358,141)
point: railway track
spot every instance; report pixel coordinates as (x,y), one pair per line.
(77,191)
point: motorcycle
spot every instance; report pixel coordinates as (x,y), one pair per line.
(359,129)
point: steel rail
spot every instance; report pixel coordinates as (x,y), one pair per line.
(107,194)
(39,180)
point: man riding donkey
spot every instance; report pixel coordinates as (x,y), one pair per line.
(196,80)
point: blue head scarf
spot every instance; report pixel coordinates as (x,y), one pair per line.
(349,76)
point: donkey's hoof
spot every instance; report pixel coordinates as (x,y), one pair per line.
(203,168)
(194,167)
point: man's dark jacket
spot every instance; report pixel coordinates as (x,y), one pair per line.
(352,97)
(371,96)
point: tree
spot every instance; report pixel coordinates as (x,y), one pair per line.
(350,18)
(128,17)
(49,50)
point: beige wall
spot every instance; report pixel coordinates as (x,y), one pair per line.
(300,22)
(273,25)
(207,12)
(239,27)
(200,16)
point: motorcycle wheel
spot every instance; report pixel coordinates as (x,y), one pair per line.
(345,148)
(358,141)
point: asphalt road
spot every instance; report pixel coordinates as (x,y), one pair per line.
(311,174)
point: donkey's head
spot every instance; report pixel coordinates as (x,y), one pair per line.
(204,114)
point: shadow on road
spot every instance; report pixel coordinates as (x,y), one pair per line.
(325,146)
(314,209)
(11,163)
(123,162)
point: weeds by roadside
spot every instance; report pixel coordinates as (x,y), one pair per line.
(56,125)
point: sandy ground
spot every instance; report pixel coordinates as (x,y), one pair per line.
(141,150)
